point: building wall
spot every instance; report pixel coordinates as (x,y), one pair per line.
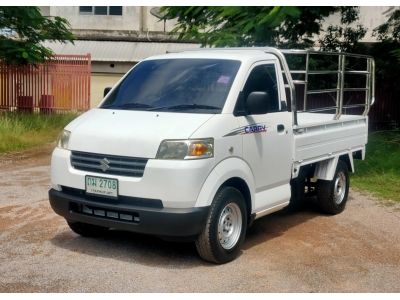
(135,18)
(105,76)
(130,19)
(99,81)
(138,19)
(111,67)
(370,17)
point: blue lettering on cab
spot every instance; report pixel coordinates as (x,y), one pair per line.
(255,128)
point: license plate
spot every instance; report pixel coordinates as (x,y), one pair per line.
(106,187)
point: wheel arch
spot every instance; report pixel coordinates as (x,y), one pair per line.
(348,160)
(243,188)
(325,169)
(230,172)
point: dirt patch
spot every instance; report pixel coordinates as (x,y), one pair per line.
(356,251)
(32,157)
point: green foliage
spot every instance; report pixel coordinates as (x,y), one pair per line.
(22,29)
(389,33)
(379,172)
(20,131)
(233,26)
(390,30)
(344,37)
(288,27)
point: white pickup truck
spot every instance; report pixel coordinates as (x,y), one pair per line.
(198,144)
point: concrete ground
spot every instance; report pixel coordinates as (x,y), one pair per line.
(356,251)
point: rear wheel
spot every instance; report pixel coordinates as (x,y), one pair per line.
(225,229)
(333,194)
(87,230)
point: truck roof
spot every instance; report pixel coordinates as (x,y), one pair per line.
(242,55)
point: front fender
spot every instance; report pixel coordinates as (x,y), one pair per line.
(226,169)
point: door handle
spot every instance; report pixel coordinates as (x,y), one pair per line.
(280,128)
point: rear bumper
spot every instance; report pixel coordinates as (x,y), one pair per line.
(170,222)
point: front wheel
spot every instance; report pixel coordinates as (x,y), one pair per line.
(225,228)
(333,194)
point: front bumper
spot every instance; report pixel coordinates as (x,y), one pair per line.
(177,183)
(161,221)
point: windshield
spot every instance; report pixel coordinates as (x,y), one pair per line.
(189,85)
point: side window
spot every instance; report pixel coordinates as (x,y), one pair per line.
(261,79)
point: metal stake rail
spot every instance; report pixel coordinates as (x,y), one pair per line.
(341,71)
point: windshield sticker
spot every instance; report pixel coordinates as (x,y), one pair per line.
(249,129)
(223,79)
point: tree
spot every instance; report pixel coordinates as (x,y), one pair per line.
(22,29)
(389,33)
(289,27)
(344,37)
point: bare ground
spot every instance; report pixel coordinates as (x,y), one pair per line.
(356,251)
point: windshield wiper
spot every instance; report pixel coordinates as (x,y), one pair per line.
(128,105)
(185,107)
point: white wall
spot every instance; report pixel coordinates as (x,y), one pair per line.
(130,19)
(99,82)
(370,17)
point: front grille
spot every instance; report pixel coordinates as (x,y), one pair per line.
(108,164)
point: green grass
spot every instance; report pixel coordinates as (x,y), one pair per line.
(19,131)
(379,173)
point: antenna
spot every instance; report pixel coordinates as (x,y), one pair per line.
(156,11)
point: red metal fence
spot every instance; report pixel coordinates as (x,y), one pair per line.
(61,84)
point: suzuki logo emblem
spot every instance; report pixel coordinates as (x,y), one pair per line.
(104,164)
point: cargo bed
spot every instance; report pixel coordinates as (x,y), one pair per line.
(318,136)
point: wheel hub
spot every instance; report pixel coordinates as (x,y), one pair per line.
(339,187)
(229,226)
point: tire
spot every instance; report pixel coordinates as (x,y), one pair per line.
(332,194)
(87,230)
(225,227)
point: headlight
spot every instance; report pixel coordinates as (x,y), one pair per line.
(186,149)
(63,139)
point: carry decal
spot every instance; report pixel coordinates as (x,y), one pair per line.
(248,129)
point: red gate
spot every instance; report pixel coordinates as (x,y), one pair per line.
(61,84)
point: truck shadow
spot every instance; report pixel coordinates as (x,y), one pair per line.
(277,224)
(154,251)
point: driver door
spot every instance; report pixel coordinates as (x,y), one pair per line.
(267,138)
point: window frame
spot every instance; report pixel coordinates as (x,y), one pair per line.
(236,112)
(92,13)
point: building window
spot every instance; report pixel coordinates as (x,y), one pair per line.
(86,10)
(115,10)
(101,10)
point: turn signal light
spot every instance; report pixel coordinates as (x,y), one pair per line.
(198,149)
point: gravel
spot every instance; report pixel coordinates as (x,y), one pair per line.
(356,251)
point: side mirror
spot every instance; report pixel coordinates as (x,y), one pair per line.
(106,90)
(257,103)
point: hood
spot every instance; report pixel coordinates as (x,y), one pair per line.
(130,133)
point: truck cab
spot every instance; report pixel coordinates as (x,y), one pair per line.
(199,144)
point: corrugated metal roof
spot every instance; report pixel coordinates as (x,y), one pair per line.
(113,51)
